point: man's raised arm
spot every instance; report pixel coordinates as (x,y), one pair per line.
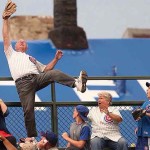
(5,31)
(10,8)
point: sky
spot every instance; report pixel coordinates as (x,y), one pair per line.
(99,18)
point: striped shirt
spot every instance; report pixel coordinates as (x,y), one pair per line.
(20,64)
(103,126)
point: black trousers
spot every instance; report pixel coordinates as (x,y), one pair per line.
(27,87)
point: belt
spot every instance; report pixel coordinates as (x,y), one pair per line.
(26,76)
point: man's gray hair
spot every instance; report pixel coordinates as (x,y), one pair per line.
(107,95)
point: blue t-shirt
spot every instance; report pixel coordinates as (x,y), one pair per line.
(144,122)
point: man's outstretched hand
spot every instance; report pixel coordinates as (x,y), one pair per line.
(10,8)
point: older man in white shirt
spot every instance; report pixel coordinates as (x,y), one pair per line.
(30,75)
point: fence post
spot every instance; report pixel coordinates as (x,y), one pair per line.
(54,110)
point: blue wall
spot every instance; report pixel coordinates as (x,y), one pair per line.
(131,57)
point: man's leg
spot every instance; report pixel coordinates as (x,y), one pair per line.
(97,143)
(112,145)
(26,91)
(122,144)
(50,76)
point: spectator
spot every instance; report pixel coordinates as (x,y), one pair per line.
(79,137)
(48,142)
(104,121)
(143,129)
(4,132)
(30,75)
(6,143)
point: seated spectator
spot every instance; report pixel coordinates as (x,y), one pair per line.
(79,137)
(4,112)
(105,125)
(48,142)
(6,144)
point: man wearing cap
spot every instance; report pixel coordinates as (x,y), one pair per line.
(48,142)
(143,129)
(79,136)
(105,125)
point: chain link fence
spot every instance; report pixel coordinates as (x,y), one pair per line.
(62,117)
(57,116)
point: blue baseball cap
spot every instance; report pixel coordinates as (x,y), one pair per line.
(51,137)
(83,111)
(147,84)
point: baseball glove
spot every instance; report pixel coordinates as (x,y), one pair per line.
(138,113)
(10,8)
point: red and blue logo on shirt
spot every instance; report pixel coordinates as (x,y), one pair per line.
(108,119)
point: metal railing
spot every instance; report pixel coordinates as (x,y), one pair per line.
(57,116)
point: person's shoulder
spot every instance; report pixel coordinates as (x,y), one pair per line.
(8,51)
(72,124)
(86,129)
(86,126)
(93,111)
(113,108)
